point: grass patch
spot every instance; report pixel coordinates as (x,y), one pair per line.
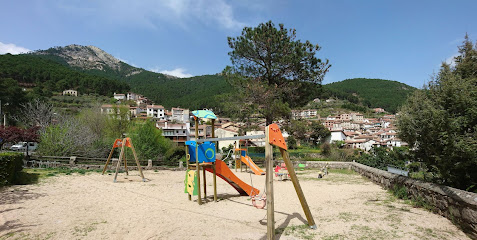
(335,237)
(342,171)
(364,232)
(84,229)
(347,216)
(300,231)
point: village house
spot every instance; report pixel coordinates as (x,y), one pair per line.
(307,113)
(155,112)
(179,115)
(119,96)
(70,93)
(177,132)
(337,135)
(224,131)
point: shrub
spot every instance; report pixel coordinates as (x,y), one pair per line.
(11,164)
(174,155)
(326,149)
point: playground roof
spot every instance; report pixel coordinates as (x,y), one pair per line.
(204,114)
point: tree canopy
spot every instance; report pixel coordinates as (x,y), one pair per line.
(440,121)
(271,71)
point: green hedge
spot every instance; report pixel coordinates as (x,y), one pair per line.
(11,164)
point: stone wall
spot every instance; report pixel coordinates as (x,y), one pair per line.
(457,205)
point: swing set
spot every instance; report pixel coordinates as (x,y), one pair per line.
(273,137)
(126,142)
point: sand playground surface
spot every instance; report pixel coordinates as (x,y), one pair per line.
(344,206)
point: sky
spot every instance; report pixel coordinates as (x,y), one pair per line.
(404,41)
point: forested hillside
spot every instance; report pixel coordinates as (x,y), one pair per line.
(373,93)
(193,93)
(46,76)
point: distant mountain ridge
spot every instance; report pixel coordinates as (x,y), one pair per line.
(373,93)
(205,91)
(169,91)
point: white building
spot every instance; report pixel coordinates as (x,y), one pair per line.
(337,135)
(223,133)
(180,115)
(70,93)
(119,96)
(155,111)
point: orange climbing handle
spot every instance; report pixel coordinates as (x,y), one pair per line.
(275,136)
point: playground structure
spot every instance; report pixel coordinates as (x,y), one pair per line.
(242,157)
(206,162)
(126,142)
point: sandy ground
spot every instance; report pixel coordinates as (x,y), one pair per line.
(91,206)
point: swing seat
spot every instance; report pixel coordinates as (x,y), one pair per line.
(259,203)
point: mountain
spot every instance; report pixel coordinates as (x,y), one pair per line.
(373,93)
(169,91)
(45,76)
(194,93)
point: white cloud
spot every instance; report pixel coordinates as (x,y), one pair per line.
(178,72)
(451,60)
(153,13)
(12,48)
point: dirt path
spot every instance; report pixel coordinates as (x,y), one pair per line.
(91,206)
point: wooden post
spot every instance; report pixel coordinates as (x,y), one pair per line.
(119,161)
(137,161)
(214,176)
(205,184)
(126,162)
(197,168)
(107,161)
(187,167)
(215,183)
(269,186)
(299,191)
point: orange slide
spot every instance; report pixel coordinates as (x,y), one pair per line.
(224,172)
(248,161)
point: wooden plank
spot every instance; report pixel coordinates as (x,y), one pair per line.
(137,161)
(205,184)
(187,167)
(299,191)
(215,182)
(269,186)
(119,162)
(107,161)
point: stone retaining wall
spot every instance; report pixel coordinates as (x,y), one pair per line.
(457,205)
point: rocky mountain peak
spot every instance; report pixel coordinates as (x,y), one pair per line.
(85,57)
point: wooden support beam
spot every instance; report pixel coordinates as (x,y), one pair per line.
(121,154)
(299,191)
(197,168)
(215,182)
(205,184)
(187,167)
(137,161)
(269,186)
(107,161)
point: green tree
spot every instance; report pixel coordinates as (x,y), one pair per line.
(299,129)
(148,141)
(318,132)
(11,97)
(440,121)
(272,71)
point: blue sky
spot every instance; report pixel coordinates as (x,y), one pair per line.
(402,40)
